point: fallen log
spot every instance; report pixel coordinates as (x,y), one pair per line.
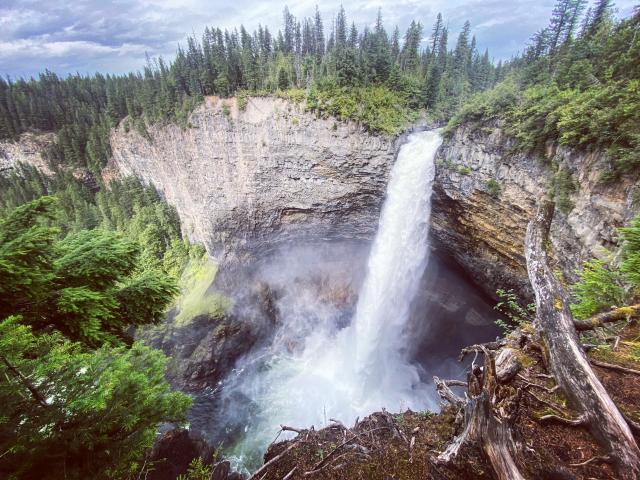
(615,315)
(568,362)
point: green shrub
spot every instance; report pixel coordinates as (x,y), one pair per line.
(376,107)
(630,266)
(599,288)
(493,187)
(510,306)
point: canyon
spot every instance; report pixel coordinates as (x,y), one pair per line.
(246,181)
(253,182)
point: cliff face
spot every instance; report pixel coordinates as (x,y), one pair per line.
(28,149)
(251,180)
(485,195)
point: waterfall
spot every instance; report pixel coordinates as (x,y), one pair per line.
(396,263)
(333,371)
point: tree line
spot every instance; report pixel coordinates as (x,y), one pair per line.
(303,54)
(576,84)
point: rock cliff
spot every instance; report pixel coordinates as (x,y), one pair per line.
(485,194)
(250,180)
(28,149)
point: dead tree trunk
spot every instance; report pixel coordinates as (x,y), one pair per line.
(487,428)
(568,362)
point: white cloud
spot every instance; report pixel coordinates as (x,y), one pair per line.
(99,35)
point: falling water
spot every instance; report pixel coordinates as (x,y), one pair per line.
(344,372)
(396,263)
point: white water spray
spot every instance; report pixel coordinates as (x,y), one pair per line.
(354,371)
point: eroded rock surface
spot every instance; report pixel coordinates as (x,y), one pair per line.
(28,149)
(485,195)
(252,180)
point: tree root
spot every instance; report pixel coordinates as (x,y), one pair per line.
(597,459)
(577,422)
(544,402)
(486,427)
(541,387)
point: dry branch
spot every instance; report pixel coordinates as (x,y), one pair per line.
(320,465)
(442,387)
(479,348)
(613,366)
(572,422)
(274,460)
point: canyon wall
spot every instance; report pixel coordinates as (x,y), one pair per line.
(29,150)
(251,180)
(486,193)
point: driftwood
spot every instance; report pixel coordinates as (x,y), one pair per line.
(487,428)
(615,315)
(568,362)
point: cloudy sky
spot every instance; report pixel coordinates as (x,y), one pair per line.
(113,35)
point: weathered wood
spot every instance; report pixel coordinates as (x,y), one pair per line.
(478,348)
(615,315)
(483,428)
(613,366)
(568,361)
(442,387)
(507,365)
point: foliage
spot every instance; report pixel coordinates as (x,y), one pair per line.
(562,186)
(599,288)
(196,299)
(604,284)
(89,414)
(490,105)
(510,306)
(197,470)
(86,285)
(630,266)
(127,206)
(493,187)
(378,108)
(83,109)
(580,89)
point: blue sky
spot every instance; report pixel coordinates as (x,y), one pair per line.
(113,36)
